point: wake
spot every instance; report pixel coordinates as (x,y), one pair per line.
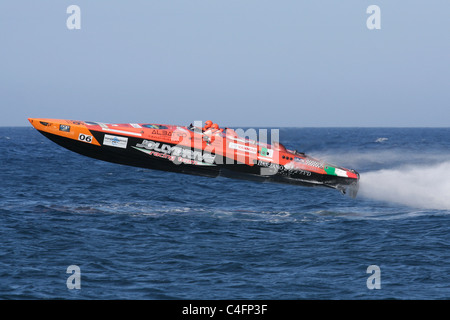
(406,177)
(421,186)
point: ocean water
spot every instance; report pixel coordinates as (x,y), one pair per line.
(145,234)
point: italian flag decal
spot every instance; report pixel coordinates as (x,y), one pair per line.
(266,152)
(335,171)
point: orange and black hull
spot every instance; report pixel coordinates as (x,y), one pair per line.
(187,150)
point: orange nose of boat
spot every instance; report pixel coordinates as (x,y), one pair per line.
(39,123)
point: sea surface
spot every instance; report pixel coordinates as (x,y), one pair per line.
(145,234)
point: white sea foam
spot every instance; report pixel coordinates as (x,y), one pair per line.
(421,186)
(381,159)
(415,179)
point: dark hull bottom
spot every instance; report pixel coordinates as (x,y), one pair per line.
(135,158)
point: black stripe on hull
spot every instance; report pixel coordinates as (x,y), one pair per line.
(129,156)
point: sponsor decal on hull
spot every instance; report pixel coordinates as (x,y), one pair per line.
(115,141)
(242,147)
(175,153)
(283,170)
(64,127)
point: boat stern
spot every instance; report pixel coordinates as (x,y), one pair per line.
(351,187)
(344,180)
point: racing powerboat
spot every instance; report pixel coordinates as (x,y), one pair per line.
(195,150)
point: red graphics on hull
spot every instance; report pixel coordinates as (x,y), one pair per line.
(206,150)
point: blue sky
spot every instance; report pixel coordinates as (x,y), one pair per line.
(237,62)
